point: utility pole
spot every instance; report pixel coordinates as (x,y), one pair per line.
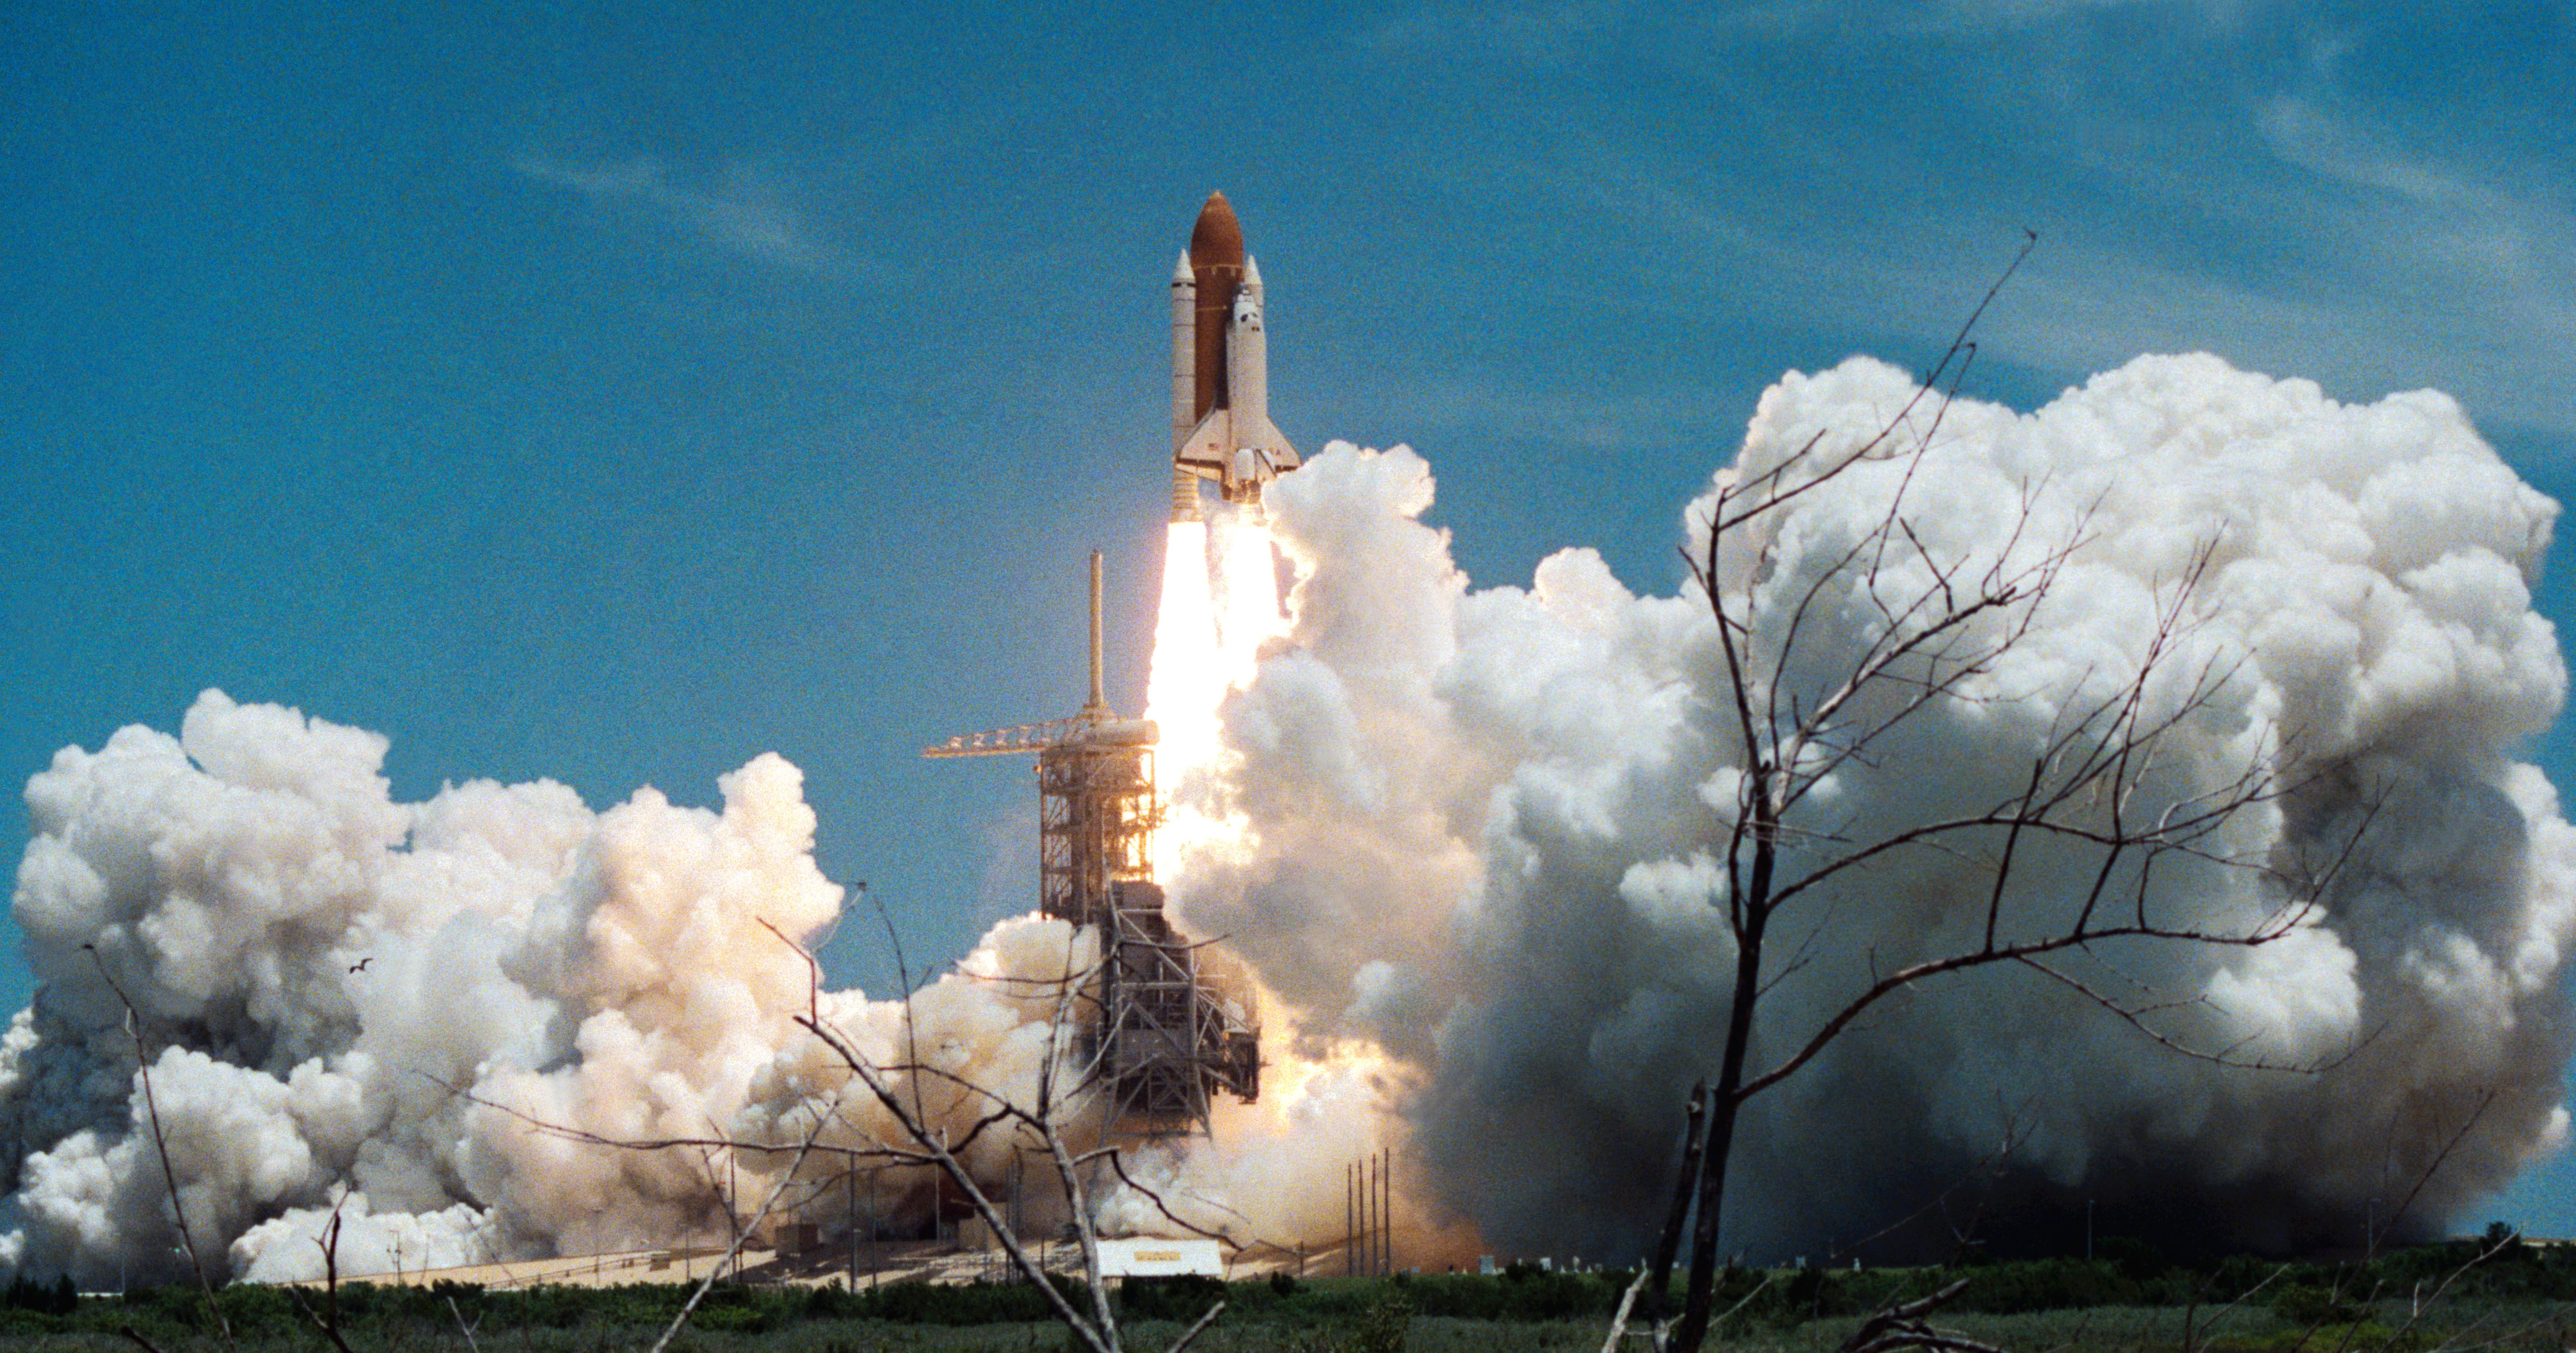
(1386,1211)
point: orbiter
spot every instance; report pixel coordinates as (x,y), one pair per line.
(1221,428)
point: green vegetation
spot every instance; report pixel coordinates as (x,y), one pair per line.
(2128,1300)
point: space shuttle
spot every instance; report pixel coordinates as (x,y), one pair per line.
(1221,428)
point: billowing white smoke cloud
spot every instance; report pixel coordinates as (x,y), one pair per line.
(1487,822)
(1479,888)
(352,1001)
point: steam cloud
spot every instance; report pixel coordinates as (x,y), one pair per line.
(1488,824)
(355,1002)
(1478,895)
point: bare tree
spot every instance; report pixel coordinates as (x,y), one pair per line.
(1939,624)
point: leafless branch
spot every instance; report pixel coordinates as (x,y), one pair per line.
(740,1233)
(1806,695)
(2135,1018)
(1904,1326)
(1627,1303)
(161,1147)
(2190,1315)
(327,1321)
(1198,1327)
(1118,1164)
(2023,953)
(1768,1277)
(2441,1158)
(464,1328)
(1096,1328)
(584,1137)
(813,970)
(1668,1244)
(1939,1201)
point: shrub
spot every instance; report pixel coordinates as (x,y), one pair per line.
(2137,1260)
(1384,1327)
(1183,1297)
(2305,1304)
(2047,1285)
(919,1303)
(254,1308)
(58,1297)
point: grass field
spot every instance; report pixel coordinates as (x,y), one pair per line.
(2515,1326)
(2462,1298)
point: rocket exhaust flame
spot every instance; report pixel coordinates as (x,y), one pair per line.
(1248,577)
(1220,603)
(1186,681)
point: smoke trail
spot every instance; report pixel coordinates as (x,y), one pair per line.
(1471,868)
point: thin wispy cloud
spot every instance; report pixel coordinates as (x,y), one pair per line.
(1581,420)
(1913,18)
(2447,246)
(1978,14)
(2303,136)
(735,208)
(1536,33)
(2288,233)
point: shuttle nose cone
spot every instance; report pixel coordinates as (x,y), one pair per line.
(1217,238)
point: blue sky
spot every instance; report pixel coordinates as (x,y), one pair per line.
(612,394)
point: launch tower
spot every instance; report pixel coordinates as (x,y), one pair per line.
(1164,1038)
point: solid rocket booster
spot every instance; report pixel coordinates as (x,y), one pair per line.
(1221,428)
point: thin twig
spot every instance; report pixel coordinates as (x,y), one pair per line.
(1198,1326)
(681,1320)
(463,1328)
(161,1146)
(1627,1303)
(328,1320)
